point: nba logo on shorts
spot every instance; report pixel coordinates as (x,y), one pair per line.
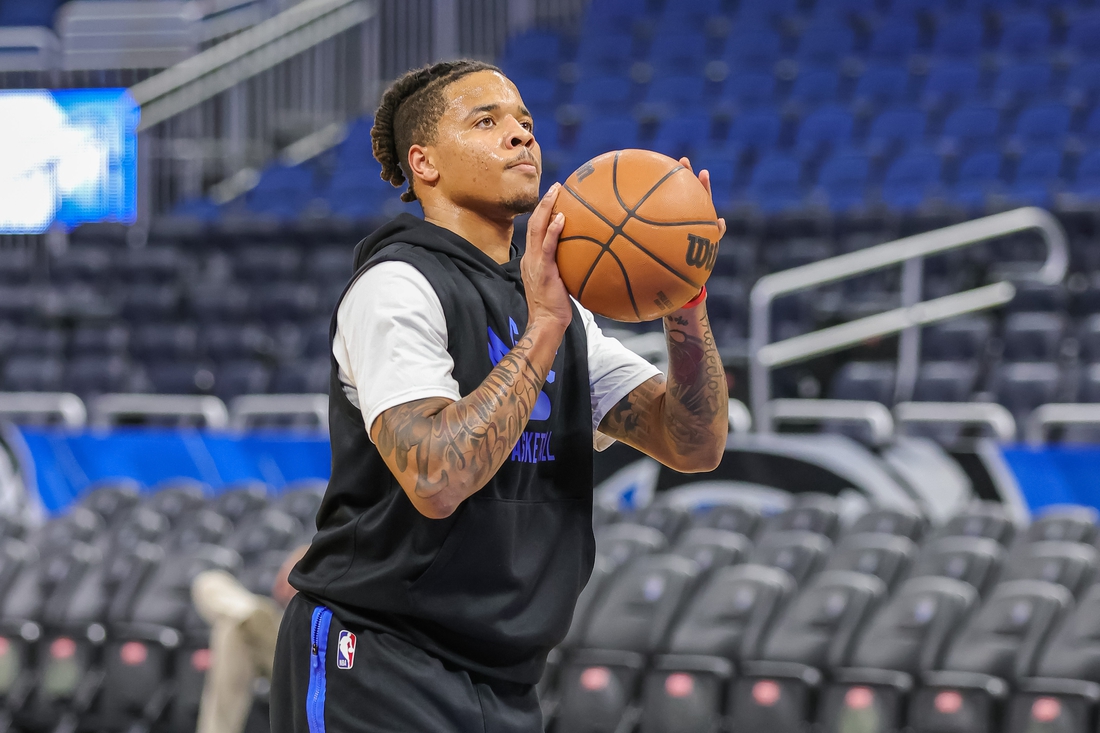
(345,650)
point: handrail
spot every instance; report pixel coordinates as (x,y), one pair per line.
(1056,413)
(908,252)
(990,414)
(65,405)
(739,416)
(106,409)
(873,414)
(245,407)
(247,54)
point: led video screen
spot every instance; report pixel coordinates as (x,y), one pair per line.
(66,157)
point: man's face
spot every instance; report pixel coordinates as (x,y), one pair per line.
(485,149)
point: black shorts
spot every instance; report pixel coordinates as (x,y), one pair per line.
(329,679)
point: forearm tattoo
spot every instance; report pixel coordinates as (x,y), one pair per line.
(460,445)
(685,415)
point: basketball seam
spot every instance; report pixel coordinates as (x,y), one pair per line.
(604,247)
(618,230)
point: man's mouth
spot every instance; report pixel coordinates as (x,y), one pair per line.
(526,165)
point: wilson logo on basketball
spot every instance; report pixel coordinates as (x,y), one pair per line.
(701,252)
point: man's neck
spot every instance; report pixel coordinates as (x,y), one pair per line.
(491,236)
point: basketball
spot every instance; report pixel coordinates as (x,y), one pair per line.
(640,237)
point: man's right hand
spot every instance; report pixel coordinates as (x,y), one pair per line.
(547,299)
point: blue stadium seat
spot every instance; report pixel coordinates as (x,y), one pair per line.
(776,183)
(911,179)
(1018,83)
(538,93)
(678,91)
(979,175)
(611,93)
(1086,182)
(1036,176)
(825,42)
(815,86)
(769,11)
(613,15)
(95,374)
(824,128)
(89,340)
(883,86)
(605,53)
(601,134)
(1083,83)
(909,8)
(179,377)
(843,180)
(750,88)
(33,374)
(723,175)
(945,381)
(1033,336)
(1043,124)
(1089,339)
(695,13)
(964,338)
(755,47)
(683,134)
(283,191)
(894,127)
(1091,129)
(756,129)
(949,82)
(847,9)
(1083,37)
(865,380)
(535,53)
(678,54)
(894,41)
(242,376)
(1025,34)
(164,340)
(301,377)
(28,12)
(971,126)
(1023,386)
(958,36)
(1039,297)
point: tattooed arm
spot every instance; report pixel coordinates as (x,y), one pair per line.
(442,451)
(682,420)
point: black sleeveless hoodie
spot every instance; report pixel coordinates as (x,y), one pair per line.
(491,588)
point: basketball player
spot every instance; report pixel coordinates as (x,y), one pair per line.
(467,392)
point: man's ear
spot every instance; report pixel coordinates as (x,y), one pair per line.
(422,166)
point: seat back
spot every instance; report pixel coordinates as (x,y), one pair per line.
(1071,565)
(732,612)
(975,560)
(712,549)
(621,543)
(801,554)
(899,522)
(642,602)
(1006,635)
(911,632)
(885,556)
(981,519)
(739,518)
(1063,523)
(816,513)
(1074,650)
(820,625)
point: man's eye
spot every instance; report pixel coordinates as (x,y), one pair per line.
(485,122)
(529,126)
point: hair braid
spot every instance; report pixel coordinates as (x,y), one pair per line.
(408,114)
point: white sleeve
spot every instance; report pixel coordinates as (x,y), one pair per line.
(613,371)
(391,341)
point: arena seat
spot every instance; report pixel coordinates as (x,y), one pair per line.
(974,560)
(813,636)
(997,647)
(908,636)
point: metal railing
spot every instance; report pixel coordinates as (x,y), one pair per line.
(1047,416)
(872,414)
(244,410)
(233,107)
(110,409)
(909,253)
(66,406)
(996,418)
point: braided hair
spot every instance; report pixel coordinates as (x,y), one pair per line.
(409,113)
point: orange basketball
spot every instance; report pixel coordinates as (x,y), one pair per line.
(640,236)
